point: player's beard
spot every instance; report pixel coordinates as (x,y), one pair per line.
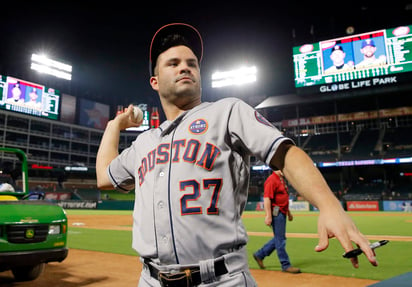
(187,88)
(183,94)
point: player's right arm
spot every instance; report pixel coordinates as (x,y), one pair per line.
(109,146)
(333,221)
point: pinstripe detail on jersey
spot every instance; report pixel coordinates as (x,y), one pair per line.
(170,205)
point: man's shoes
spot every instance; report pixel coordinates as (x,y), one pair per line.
(259,261)
(292,270)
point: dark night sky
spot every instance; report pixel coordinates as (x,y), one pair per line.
(107,44)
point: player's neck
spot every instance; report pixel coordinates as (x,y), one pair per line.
(173,110)
(339,65)
(369,59)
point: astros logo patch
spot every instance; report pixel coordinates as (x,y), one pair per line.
(198,126)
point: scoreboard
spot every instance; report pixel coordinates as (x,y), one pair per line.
(29,98)
(364,60)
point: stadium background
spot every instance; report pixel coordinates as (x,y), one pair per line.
(376,122)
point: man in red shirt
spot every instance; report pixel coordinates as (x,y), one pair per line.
(276,204)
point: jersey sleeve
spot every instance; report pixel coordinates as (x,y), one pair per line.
(250,131)
(121,170)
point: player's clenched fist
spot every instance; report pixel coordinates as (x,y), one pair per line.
(132,116)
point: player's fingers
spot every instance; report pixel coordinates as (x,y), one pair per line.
(323,242)
(355,262)
(347,245)
(129,110)
(364,244)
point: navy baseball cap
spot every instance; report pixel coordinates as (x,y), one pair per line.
(191,38)
(336,48)
(368,42)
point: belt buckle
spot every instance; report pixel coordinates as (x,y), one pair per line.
(176,279)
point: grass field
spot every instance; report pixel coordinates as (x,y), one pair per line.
(394,258)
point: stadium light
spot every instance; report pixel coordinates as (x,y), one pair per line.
(237,77)
(43,64)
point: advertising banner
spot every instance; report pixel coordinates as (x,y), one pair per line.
(58,195)
(397,205)
(362,205)
(299,205)
(78,204)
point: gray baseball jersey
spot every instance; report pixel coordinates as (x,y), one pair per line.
(191,180)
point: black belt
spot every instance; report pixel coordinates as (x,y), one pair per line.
(186,277)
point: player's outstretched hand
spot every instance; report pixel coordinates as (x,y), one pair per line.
(333,221)
(338,224)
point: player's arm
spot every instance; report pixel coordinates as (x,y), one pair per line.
(333,221)
(109,146)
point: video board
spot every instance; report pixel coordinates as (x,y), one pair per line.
(370,59)
(29,98)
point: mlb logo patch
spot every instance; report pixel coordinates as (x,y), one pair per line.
(198,126)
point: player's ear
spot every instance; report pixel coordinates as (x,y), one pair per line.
(154,83)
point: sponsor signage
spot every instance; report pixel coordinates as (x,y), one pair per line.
(397,205)
(362,205)
(77,204)
(58,195)
(299,205)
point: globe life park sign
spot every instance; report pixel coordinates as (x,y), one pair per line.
(372,82)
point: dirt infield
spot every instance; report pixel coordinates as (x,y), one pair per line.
(98,269)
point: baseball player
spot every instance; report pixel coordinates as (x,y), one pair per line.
(191,175)
(368,49)
(337,55)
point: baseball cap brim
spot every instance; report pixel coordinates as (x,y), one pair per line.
(190,33)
